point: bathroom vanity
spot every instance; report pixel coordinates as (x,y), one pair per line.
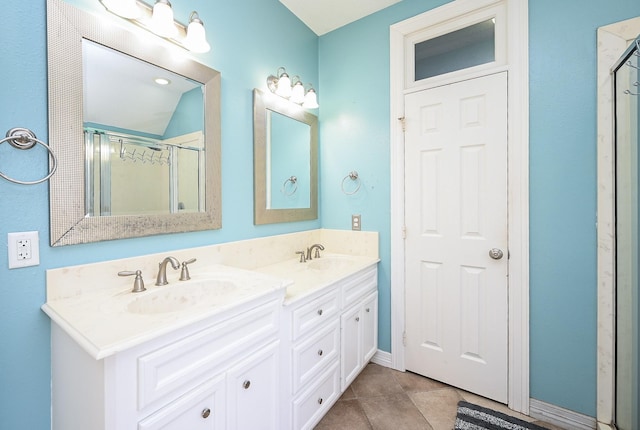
(265,347)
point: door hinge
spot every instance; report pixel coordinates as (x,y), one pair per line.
(404,338)
(404,231)
(404,123)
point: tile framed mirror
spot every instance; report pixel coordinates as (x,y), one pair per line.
(122,174)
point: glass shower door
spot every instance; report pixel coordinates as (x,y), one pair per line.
(627,247)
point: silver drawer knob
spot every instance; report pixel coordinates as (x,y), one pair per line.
(320,400)
(206,412)
(368,310)
(320,352)
(357,319)
(319,311)
(246,384)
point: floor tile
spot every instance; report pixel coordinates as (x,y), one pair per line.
(439,407)
(345,414)
(393,412)
(375,381)
(412,382)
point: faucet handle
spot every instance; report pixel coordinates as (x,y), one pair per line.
(303,259)
(184,273)
(138,283)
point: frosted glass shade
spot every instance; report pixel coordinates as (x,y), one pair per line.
(284,86)
(162,20)
(311,99)
(196,40)
(297,93)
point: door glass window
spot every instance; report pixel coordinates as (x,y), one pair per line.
(468,47)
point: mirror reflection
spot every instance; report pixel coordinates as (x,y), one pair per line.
(288,162)
(143,128)
(285,161)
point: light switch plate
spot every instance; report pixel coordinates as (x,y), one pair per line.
(24,249)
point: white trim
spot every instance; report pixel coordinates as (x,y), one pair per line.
(613,40)
(382,358)
(518,126)
(559,416)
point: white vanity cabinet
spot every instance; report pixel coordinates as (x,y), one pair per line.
(323,340)
(216,373)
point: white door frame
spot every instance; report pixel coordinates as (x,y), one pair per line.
(613,40)
(517,66)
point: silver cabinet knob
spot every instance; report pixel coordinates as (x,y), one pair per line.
(320,400)
(206,412)
(357,319)
(368,310)
(496,254)
(319,311)
(246,384)
(320,352)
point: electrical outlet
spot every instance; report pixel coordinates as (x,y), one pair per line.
(356,222)
(24,249)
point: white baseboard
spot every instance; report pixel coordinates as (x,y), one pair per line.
(559,416)
(382,358)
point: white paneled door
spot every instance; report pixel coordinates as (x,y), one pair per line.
(456,234)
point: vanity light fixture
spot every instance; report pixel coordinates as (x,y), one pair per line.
(292,89)
(159,20)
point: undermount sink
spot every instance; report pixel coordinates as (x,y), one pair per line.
(330,263)
(173,298)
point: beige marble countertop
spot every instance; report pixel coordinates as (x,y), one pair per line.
(104,317)
(105,321)
(308,277)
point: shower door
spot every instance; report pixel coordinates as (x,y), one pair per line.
(627,247)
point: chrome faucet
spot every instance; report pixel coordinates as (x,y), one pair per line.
(317,247)
(162,270)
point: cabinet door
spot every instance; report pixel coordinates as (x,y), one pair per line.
(350,346)
(200,409)
(252,388)
(369,327)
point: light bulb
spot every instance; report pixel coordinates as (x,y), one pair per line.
(162,19)
(196,40)
(125,8)
(284,86)
(297,93)
(310,100)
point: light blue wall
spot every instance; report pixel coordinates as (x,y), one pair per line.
(243,36)
(354,124)
(354,118)
(188,116)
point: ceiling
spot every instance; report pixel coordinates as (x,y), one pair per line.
(323,16)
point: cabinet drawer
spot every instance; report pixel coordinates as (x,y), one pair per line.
(310,356)
(314,313)
(201,409)
(359,286)
(310,406)
(180,365)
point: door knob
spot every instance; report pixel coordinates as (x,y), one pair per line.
(496,254)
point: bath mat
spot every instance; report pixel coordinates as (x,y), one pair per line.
(474,417)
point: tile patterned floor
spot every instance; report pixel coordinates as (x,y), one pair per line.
(385,399)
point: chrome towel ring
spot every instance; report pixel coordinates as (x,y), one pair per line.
(294,187)
(353,175)
(23,138)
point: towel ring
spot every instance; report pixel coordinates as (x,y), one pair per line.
(353,175)
(23,138)
(294,182)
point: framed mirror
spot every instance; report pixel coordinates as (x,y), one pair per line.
(285,147)
(134,158)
